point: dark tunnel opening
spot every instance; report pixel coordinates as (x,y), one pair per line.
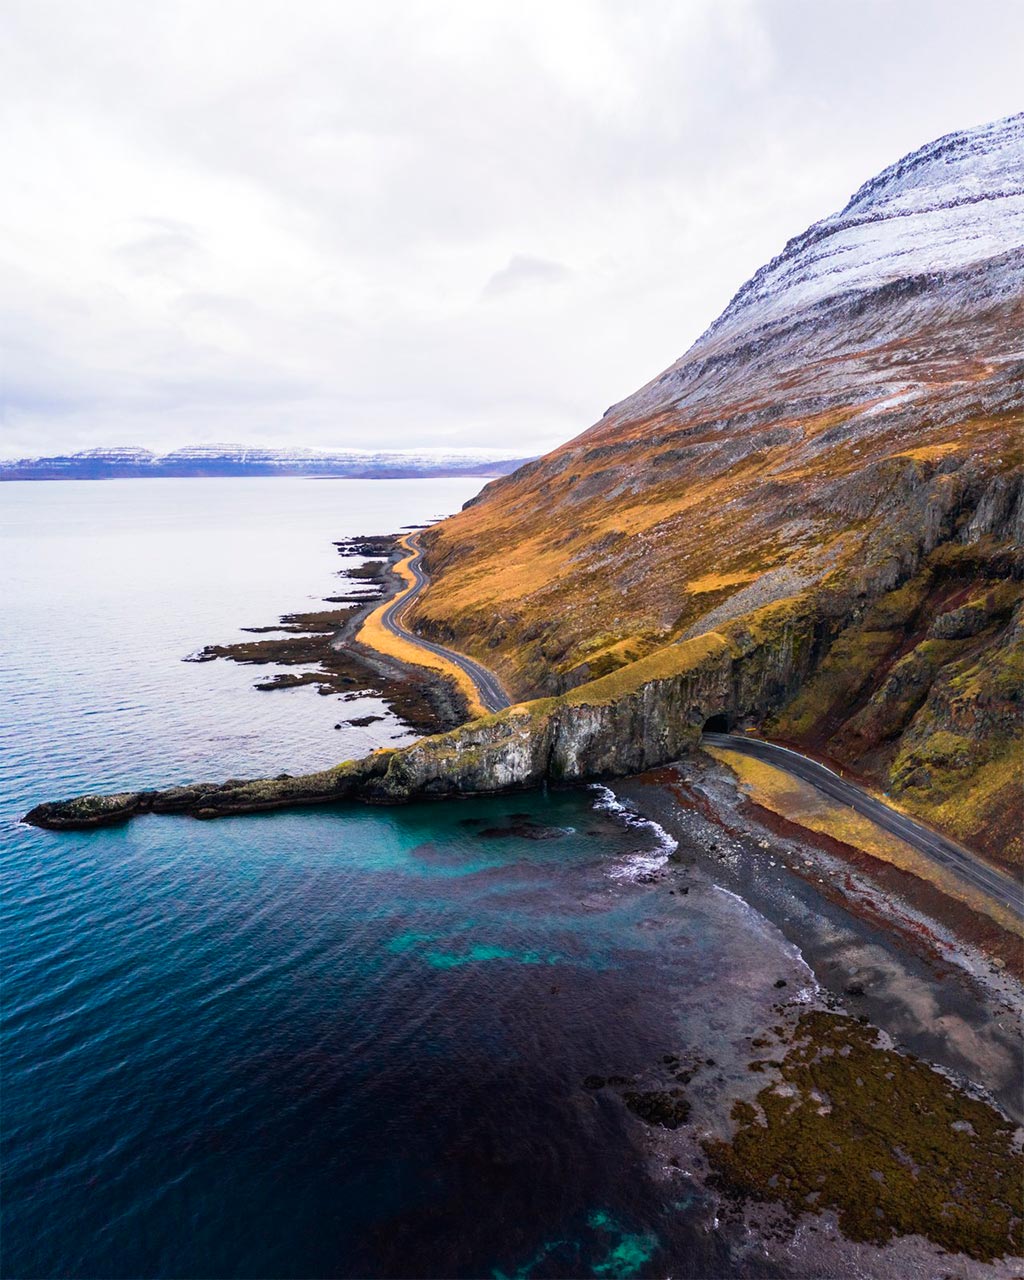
(717,724)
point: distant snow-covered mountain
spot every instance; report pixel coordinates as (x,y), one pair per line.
(128,462)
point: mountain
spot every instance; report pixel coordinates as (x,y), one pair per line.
(809,524)
(239,460)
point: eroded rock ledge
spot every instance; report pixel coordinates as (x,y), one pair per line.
(628,721)
(635,718)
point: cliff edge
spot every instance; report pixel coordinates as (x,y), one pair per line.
(809,524)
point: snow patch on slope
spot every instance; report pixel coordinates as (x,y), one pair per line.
(956,201)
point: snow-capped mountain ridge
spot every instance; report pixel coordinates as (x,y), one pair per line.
(986,149)
(827,478)
(119,452)
(955,201)
(931,241)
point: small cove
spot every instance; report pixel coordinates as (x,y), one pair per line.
(346,1041)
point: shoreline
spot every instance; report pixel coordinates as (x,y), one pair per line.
(381,632)
(910,986)
(873,948)
(922,1013)
(325,645)
(446,766)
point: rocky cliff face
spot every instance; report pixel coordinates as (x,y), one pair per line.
(810,523)
(618,725)
(856,409)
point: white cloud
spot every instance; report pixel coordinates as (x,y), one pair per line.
(521,272)
(418,223)
(161,246)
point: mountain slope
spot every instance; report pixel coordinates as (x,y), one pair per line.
(839,453)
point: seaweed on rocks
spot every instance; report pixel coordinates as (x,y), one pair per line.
(888,1143)
(665,1107)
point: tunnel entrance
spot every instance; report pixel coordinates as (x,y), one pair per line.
(717,724)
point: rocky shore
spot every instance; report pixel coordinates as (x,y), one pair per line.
(897,1017)
(882,1071)
(323,643)
(619,725)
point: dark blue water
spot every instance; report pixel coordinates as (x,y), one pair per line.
(344,1042)
(338,1042)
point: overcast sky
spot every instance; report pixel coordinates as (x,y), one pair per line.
(444,224)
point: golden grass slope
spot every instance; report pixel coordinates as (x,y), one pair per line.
(528,577)
(837,465)
(800,803)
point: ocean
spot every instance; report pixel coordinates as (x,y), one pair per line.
(347,1041)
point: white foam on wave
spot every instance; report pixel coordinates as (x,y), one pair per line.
(635,866)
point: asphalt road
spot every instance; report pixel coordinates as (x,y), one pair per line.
(954,857)
(492,695)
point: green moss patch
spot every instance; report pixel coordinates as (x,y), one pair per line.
(892,1146)
(851,665)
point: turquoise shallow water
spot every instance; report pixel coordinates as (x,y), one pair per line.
(346,1041)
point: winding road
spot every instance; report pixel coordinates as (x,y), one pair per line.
(491,694)
(954,857)
(947,853)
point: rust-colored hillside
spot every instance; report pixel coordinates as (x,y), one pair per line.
(843,443)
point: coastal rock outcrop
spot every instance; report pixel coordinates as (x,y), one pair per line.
(857,410)
(810,523)
(610,728)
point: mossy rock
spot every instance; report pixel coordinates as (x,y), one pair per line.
(889,1144)
(666,1108)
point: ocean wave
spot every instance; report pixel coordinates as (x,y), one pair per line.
(642,863)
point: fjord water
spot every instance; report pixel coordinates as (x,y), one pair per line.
(345,1041)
